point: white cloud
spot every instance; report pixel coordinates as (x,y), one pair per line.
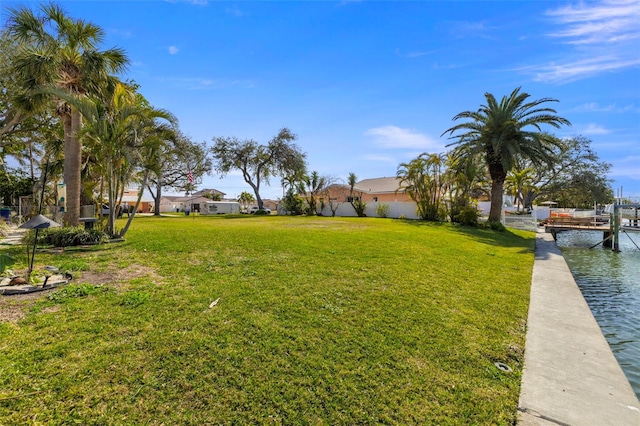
(234,11)
(466,29)
(594,129)
(173,50)
(414,54)
(381,159)
(579,68)
(627,168)
(604,36)
(394,137)
(595,107)
(207,83)
(609,21)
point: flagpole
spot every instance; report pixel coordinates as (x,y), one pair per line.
(190,178)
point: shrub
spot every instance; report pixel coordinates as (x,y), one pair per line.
(496,226)
(293,204)
(382,210)
(467,216)
(68,236)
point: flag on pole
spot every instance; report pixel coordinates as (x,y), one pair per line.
(190,176)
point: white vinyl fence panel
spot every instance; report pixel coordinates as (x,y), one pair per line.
(528,222)
(396,210)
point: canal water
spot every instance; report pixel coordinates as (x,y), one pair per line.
(610,283)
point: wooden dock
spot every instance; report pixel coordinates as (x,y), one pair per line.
(559,224)
(610,226)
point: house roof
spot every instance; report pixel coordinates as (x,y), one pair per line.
(378,185)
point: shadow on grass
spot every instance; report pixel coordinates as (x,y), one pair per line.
(505,238)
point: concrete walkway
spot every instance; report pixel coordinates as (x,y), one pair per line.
(570,375)
(14,236)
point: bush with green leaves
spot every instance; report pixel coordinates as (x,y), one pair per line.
(382,210)
(496,226)
(293,203)
(68,236)
(467,216)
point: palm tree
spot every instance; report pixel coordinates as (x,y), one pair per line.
(124,137)
(245,199)
(500,131)
(467,181)
(311,186)
(519,182)
(356,202)
(55,50)
(424,180)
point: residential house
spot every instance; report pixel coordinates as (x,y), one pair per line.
(130,197)
(337,198)
(181,203)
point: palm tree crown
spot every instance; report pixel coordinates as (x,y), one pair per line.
(504,132)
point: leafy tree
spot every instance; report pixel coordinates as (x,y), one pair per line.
(258,163)
(176,157)
(503,132)
(13,184)
(581,190)
(424,180)
(292,203)
(574,161)
(54,50)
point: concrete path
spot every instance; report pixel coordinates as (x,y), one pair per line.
(570,375)
(14,236)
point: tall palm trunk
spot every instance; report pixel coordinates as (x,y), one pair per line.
(498,176)
(72,166)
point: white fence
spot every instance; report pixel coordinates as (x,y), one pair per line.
(528,222)
(396,210)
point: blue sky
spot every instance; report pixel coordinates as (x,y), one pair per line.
(367,85)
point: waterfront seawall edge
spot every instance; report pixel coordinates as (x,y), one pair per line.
(570,375)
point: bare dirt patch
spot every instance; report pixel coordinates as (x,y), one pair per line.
(14,308)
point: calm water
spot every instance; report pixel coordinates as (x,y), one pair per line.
(610,283)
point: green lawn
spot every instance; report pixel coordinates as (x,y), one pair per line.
(319,321)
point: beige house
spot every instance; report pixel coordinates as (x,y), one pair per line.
(130,197)
(375,192)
